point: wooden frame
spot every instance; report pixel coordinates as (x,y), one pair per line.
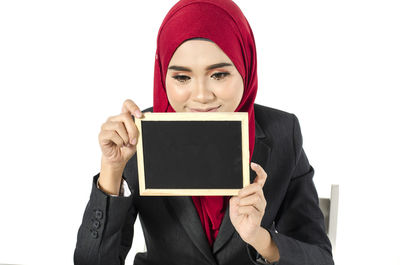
(193,116)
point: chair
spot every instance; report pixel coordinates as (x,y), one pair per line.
(329,207)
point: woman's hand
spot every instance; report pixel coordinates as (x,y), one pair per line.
(117,139)
(118,136)
(247,209)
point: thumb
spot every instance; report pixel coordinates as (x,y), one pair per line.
(261,174)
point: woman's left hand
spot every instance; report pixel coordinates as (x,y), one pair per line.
(247,209)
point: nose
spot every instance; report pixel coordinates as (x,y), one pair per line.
(202,92)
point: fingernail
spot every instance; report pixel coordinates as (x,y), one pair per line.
(253,164)
(138,114)
(133,141)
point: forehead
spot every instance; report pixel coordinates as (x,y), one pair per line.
(198,51)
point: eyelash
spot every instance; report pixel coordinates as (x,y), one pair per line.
(184,78)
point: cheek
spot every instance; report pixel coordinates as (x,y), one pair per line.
(177,94)
(231,91)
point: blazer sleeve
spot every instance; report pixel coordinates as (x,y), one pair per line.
(299,229)
(106,232)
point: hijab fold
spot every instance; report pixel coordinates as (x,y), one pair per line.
(222,22)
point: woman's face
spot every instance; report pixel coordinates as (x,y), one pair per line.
(201,77)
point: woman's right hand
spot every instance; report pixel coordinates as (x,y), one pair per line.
(117,139)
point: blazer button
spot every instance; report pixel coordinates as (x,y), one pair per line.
(96,224)
(99,214)
(94,234)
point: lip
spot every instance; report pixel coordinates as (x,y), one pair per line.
(213,109)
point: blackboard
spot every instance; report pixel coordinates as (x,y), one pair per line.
(186,153)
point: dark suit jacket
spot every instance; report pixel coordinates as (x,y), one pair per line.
(172,228)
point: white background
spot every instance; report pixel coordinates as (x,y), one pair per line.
(66,66)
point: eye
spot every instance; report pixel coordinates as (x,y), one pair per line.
(219,76)
(181,78)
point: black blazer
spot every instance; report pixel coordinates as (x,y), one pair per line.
(172,228)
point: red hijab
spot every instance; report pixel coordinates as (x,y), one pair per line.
(222,22)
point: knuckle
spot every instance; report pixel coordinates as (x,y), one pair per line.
(113,134)
(117,139)
(128,101)
(126,116)
(110,134)
(120,125)
(105,125)
(110,118)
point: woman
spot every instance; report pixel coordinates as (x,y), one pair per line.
(206,61)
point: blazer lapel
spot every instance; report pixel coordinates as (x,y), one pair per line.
(186,213)
(260,156)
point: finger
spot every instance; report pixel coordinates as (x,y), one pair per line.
(250,189)
(261,174)
(129,125)
(234,200)
(131,107)
(119,127)
(254,200)
(250,200)
(105,137)
(249,210)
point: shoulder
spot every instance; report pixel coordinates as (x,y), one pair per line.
(282,128)
(274,120)
(261,112)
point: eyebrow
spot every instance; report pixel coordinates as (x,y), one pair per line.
(210,67)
